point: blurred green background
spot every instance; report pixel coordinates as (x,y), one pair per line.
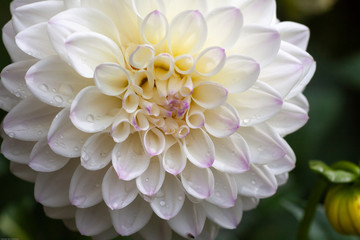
(331,134)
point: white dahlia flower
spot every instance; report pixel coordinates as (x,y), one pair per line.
(159,118)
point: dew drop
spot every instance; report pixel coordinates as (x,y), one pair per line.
(58,99)
(54,90)
(17,94)
(78,201)
(260,148)
(11,134)
(180,198)
(246,120)
(90,118)
(146,179)
(217,194)
(40,132)
(162,203)
(76,148)
(85,157)
(253,181)
(61,136)
(15,152)
(103,154)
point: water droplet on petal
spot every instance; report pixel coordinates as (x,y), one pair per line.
(180,198)
(58,99)
(146,179)
(246,120)
(12,134)
(217,194)
(90,118)
(162,203)
(79,200)
(253,181)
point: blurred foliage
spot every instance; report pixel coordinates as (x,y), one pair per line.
(332,133)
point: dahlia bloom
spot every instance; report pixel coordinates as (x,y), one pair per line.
(153,118)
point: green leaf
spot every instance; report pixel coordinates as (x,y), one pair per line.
(340,175)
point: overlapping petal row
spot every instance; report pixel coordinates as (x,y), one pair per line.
(161,119)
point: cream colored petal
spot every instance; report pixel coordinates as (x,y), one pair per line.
(121,127)
(210,61)
(184,64)
(111,79)
(187,33)
(162,66)
(154,141)
(130,101)
(143,8)
(139,120)
(174,158)
(117,193)
(259,12)
(209,94)
(150,182)
(142,56)
(225,192)
(154,28)
(96,152)
(92,111)
(175,7)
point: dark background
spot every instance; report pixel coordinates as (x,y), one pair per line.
(331,134)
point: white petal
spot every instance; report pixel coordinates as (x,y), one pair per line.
(94,220)
(43,159)
(7,100)
(257,104)
(238,74)
(225,191)
(224,25)
(121,127)
(177,6)
(174,158)
(23,171)
(92,111)
(130,101)
(70,224)
(152,179)
(264,143)
(141,56)
(111,79)
(260,12)
(156,229)
(258,182)
(184,64)
(96,152)
(249,203)
(195,117)
(210,61)
(283,73)
(222,121)
(199,148)
(106,235)
(140,121)
(162,66)
(284,164)
(54,82)
(60,212)
(210,231)
(294,33)
(290,118)
(52,189)
(227,218)
(8,37)
(87,50)
(154,28)
(85,187)
(13,78)
(64,138)
(34,13)
(258,42)
(132,218)
(16,150)
(189,221)
(282,178)
(142,8)
(232,154)
(35,41)
(209,94)
(170,198)
(129,158)
(29,120)
(187,33)
(198,182)
(117,193)
(154,141)
(62,25)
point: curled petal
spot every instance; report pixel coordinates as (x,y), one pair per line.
(29,120)
(13,78)
(154,141)
(154,28)
(174,158)
(210,61)
(121,127)
(16,150)
(35,41)
(189,221)
(92,111)
(232,154)
(195,117)
(64,138)
(142,56)
(259,43)
(238,74)
(96,152)
(187,33)
(87,50)
(130,101)
(152,179)
(162,66)
(117,193)
(256,105)
(258,182)
(199,148)
(227,218)
(92,221)
(139,120)
(198,182)
(85,187)
(52,189)
(222,121)
(169,199)
(225,191)
(54,82)
(224,25)
(129,158)
(132,218)
(209,95)
(184,64)
(111,79)
(43,159)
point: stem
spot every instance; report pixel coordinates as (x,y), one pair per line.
(310,209)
